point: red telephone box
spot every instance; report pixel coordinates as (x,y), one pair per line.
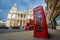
(40,27)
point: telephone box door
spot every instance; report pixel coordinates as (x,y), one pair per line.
(40,27)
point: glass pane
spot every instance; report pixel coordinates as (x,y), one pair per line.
(38,21)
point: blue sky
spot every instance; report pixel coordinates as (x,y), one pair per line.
(6,5)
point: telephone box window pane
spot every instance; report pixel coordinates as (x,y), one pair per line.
(38,21)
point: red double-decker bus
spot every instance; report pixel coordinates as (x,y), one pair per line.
(29,24)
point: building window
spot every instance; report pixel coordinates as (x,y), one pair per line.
(30,11)
(24,16)
(21,16)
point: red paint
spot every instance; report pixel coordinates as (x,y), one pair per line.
(27,27)
(29,24)
(43,33)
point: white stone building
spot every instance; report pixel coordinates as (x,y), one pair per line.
(18,18)
(2,23)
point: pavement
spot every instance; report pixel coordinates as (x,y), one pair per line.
(11,30)
(27,35)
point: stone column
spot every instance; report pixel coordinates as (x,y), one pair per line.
(16,15)
(16,23)
(22,22)
(20,15)
(13,23)
(25,21)
(23,16)
(19,23)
